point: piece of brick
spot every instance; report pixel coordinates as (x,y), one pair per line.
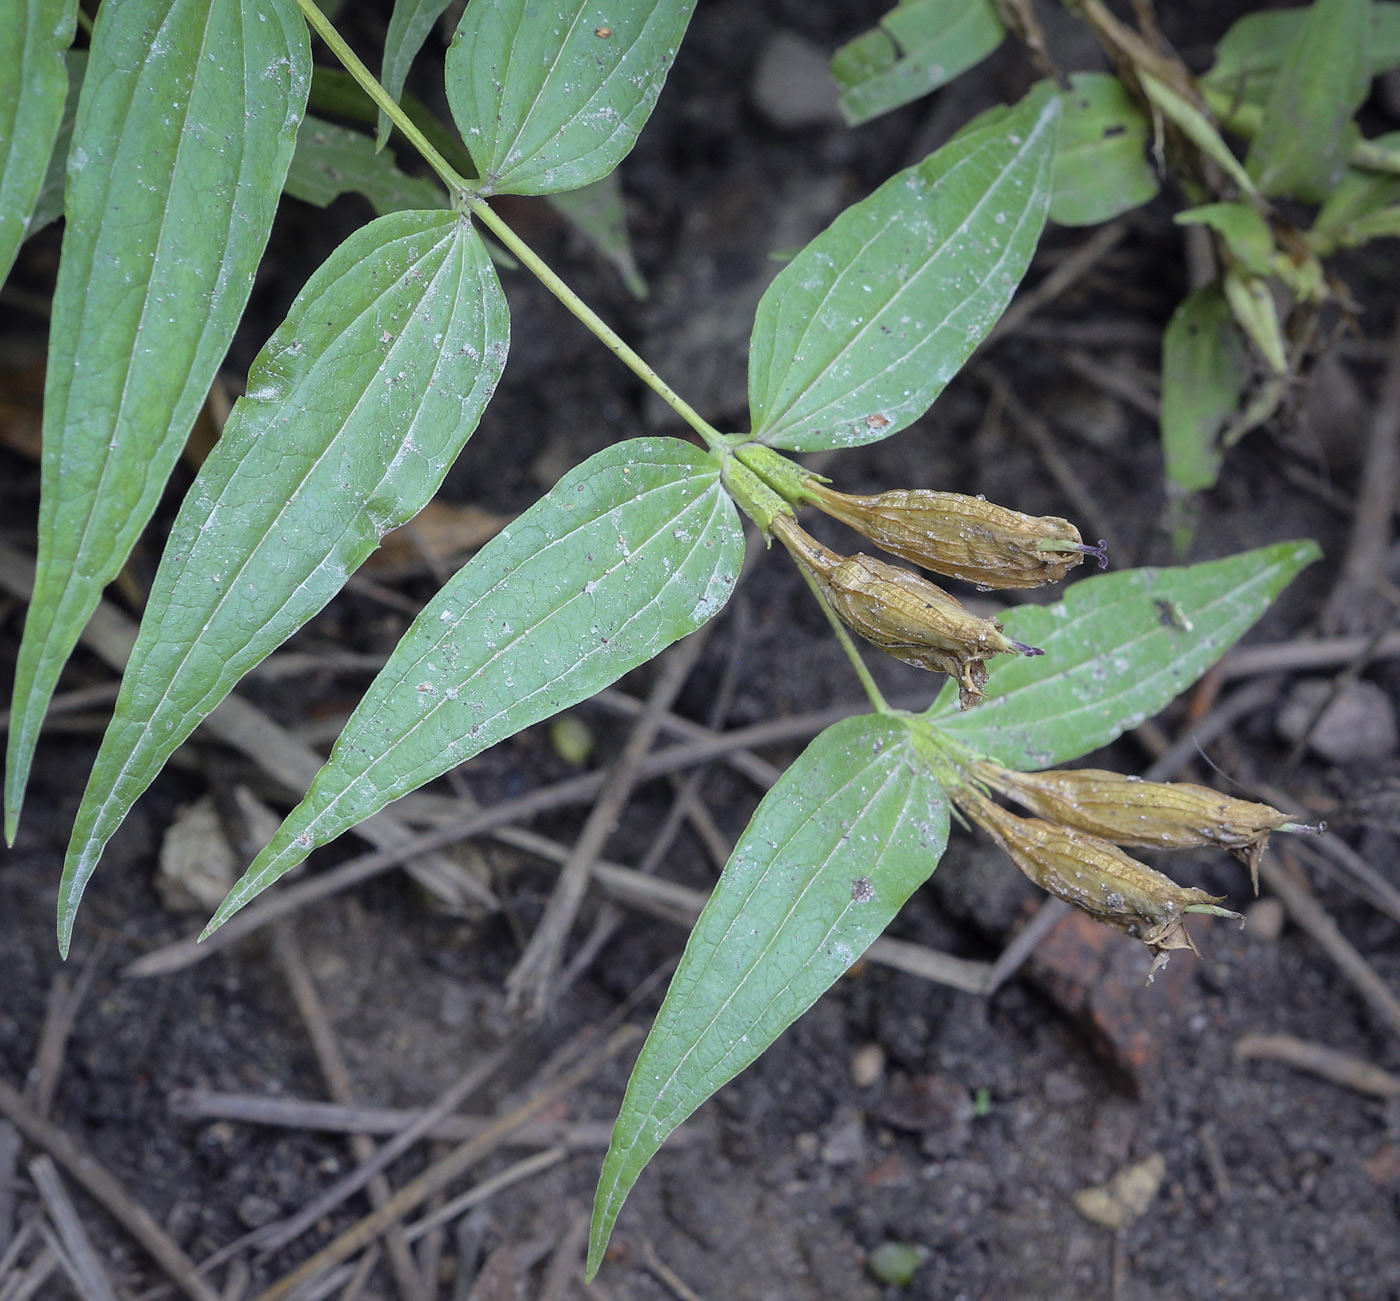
(1099,977)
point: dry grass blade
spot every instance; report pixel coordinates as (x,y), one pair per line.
(88,1275)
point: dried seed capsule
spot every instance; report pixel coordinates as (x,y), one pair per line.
(1094,875)
(1147,815)
(904,615)
(963,537)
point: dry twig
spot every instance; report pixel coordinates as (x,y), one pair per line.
(1315,1059)
(87,1274)
(332,1062)
(93,1176)
(451,1167)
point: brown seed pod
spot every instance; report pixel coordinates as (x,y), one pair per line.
(1093,874)
(1146,815)
(962,537)
(904,615)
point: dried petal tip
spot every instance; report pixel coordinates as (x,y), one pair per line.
(1092,874)
(1027,650)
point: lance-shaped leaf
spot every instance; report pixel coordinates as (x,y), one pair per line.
(836,847)
(860,332)
(598,214)
(1205,367)
(186,125)
(550,94)
(356,408)
(1302,145)
(33,84)
(49,205)
(1101,166)
(918,46)
(409,26)
(626,554)
(1249,56)
(1118,648)
(333,160)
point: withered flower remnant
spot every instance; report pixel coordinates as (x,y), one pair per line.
(1142,814)
(1094,875)
(903,614)
(960,536)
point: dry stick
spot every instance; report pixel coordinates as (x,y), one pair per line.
(1069,272)
(69,702)
(110,635)
(682,905)
(664,1274)
(530,985)
(1352,599)
(9,1258)
(443,1172)
(420,1125)
(1327,1063)
(1113,381)
(84,1167)
(564,1265)
(34,1277)
(685,805)
(1038,434)
(1301,656)
(60,1012)
(11,1145)
(331,1118)
(332,1061)
(1312,917)
(363,1270)
(88,1275)
(575,790)
(485,1190)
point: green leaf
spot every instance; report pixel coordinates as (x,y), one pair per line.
(356,408)
(33,85)
(1243,228)
(1118,648)
(860,332)
(1101,166)
(1205,367)
(1254,308)
(185,128)
(1307,131)
(409,26)
(49,206)
(551,96)
(628,553)
(836,847)
(333,160)
(919,46)
(597,212)
(1249,57)
(1358,195)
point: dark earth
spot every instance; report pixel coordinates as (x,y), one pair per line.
(898,1110)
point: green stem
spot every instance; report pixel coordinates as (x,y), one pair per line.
(609,337)
(877,697)
(321,25)
(611,340)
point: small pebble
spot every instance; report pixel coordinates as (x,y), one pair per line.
(1263,920)
(792,84)
(895,1263)
(255,1210)
(1358,724)
(867,1065)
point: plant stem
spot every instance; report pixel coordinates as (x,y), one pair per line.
(323,28)
(877,697)
(609,337)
